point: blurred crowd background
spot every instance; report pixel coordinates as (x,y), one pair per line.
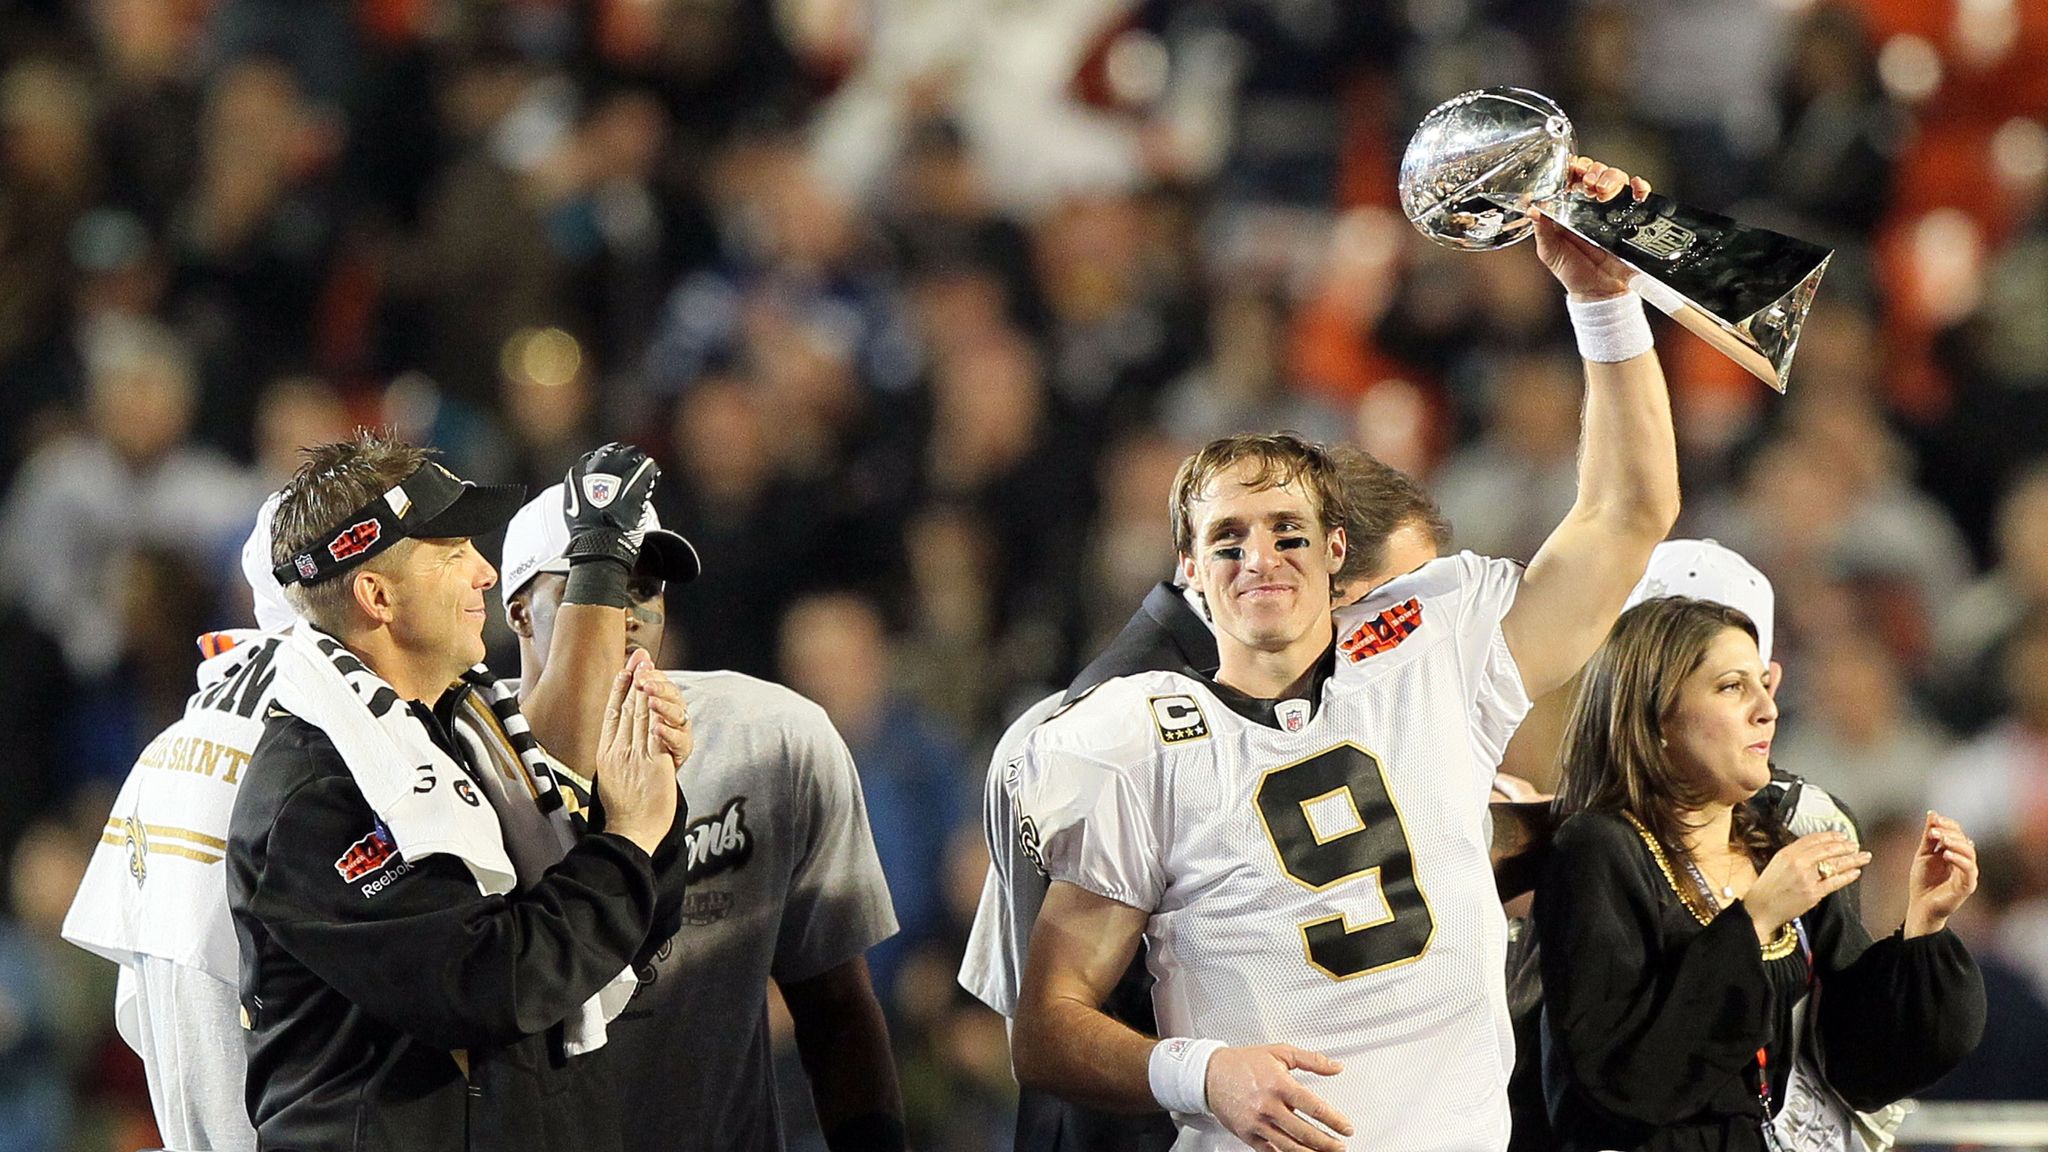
(919,303)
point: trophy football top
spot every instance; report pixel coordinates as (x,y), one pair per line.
(1479,161)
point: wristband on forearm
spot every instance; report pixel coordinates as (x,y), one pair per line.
(1179,1074)
(1611,330)
(598,579)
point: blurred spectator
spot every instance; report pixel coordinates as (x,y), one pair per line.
(993,446)
(1705,74)
(1839,134)
(1972,632)
(1858,734)
(47,174)
(941,218)
(252,242)
(132,480)
(545,394)
(149,128)
(1244,382)
(294,412)
(1997,784)
(35,1095)
(622,231)
(793,252)
(951,655)
(483,268)
(1118,336)
(913,773)
(1005,73)
(1131,546)
(1504,491)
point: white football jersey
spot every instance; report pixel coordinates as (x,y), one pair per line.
(1322,880)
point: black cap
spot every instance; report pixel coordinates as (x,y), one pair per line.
(428,504)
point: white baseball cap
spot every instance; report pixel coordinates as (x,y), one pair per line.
(273,612)
(539,534)
(1707,570)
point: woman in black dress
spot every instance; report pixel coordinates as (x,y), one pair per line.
(1702,970)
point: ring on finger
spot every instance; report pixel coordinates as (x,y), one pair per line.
(1826,868)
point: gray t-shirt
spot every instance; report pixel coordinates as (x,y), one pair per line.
(784,885)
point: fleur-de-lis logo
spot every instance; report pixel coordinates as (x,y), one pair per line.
(136,838)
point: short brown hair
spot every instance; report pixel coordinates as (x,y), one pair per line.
(1276,458)
(333,481)
(1613,757)
(1374,499)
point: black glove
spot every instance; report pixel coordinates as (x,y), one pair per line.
(604,501)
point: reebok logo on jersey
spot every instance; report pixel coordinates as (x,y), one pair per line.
(1383,632)
(366,855)
(1179,718)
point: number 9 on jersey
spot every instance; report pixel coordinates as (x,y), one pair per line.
(1332,823)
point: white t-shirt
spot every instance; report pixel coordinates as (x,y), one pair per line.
(1323,881)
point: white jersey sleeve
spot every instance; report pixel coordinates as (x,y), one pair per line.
(1014,890)
(1089,799)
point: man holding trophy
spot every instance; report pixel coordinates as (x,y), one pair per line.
(1300,838)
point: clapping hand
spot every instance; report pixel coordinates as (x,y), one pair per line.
(637,753)
(1943,875)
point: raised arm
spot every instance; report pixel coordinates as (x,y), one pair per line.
(1628,461)
(565,702)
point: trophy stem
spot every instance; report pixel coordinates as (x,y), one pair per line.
(1744,290)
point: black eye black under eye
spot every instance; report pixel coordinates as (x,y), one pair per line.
(1230,552)
(1289,542)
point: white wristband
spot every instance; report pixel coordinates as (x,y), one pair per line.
(1179,1072)
(1610,330)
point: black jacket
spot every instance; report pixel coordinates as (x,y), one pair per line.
(390,1005)
(1652,1022)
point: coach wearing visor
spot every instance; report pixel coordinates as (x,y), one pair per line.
(432,940)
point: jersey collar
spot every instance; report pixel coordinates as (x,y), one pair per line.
(1267,712)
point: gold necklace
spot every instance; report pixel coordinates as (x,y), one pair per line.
(1780,946)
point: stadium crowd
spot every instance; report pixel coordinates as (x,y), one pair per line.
(919,306)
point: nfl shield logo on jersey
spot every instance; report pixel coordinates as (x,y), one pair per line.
(1292,714)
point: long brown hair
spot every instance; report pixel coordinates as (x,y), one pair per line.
(1613,758)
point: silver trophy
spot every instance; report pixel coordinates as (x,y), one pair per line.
(1481,163)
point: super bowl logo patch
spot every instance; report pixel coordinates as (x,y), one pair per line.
(366,855)
(599,488)
(355,539)
(1383,632)
(1178,718)
(1661,237)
